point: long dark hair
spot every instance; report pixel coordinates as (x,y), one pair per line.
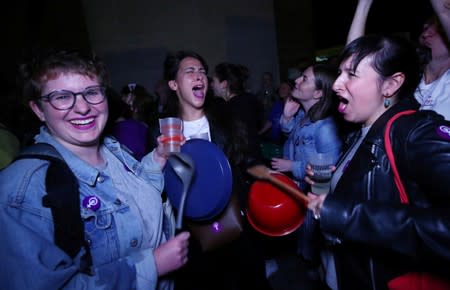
(171,66)
(235,74)
(324,75)
(233,141)
(173,60)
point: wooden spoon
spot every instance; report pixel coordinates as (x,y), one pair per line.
(262,172)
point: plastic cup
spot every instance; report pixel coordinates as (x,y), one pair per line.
(321,164)
(172,131)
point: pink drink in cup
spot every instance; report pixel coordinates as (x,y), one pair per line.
(172,132)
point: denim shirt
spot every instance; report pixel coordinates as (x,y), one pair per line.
(121,244)
(306,138)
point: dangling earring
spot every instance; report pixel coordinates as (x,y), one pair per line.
(387,102)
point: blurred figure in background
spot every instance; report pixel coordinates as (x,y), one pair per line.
(308,119)
(162,93)
(432,92)
(243,107)
(267,94)
(131,123)
(9,116)
(442,10)
(271,130)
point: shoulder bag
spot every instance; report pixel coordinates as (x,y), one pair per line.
(221,230)
(413,280)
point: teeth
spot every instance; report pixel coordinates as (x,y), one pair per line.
(82,122)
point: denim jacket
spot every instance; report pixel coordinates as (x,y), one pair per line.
(122,259)
(306,138)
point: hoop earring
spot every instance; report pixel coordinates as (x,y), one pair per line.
(387,102)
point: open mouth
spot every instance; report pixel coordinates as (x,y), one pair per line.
(83,124)
(80,122)
(198,91)
(342,105)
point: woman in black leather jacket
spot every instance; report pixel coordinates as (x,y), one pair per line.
(373,238)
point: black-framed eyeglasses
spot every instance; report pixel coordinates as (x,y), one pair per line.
(65,100)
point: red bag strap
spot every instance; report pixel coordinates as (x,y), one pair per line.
(390,154)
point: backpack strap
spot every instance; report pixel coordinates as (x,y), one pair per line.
(63,198)
(390,154)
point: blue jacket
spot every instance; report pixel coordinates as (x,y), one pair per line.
(122,254)
(309,138)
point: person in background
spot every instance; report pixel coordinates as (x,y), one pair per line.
(130,233)
(442,10)
(9,133)
(268,94)
(130,124)
(127,93)
(307,118)
(243,108)
(275,135)
(9,146)
(431,92)
(162,93)
(236,265)
(376,241)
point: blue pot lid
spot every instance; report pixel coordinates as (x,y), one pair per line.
(211,187)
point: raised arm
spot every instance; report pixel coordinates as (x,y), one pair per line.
(358,25)
(442,10)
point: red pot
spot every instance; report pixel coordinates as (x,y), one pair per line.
(272,211)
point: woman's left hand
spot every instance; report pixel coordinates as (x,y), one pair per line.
(281,165)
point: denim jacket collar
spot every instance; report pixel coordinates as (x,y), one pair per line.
(82,170)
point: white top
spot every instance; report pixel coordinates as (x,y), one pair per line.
(197,129)
(435,95)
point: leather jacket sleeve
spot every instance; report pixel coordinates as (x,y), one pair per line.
(421,229)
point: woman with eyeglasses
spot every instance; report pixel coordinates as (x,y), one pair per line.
(128,229)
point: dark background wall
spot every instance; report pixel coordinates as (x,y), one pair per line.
(134,35)
(26,24)
(332,18)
